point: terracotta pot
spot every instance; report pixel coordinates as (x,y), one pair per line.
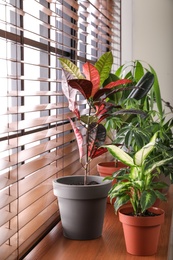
(141,233)
(106,169)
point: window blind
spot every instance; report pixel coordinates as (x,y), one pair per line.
(37,143)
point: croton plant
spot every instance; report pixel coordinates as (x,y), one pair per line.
(91,84)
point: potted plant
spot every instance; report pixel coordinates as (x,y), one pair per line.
(134,132)
(82,199)
(128,99)
(135,194)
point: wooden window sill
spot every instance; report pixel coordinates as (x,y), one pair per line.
(109,246)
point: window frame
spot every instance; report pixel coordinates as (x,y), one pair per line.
(32,147)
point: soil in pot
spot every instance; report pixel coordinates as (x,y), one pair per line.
(141,233)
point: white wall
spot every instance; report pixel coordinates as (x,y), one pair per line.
(152,38)
(127,31)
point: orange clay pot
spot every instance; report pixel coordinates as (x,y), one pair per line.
(106,169)
(141,233)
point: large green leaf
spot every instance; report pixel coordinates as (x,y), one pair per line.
(120,154)
(148,198)
(104,65)
(158,164)
(157,91)
(140,155)
(138,71)
(121,201)
(160,195)
(71,68)
(119,71)
(143,86)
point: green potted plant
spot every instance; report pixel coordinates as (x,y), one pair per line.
(82,199)
(134,194)
(128,99)
(135,132)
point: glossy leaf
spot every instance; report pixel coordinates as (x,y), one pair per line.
(119,71)
(138,70)
(158,164)
(157,91)
(109,89)
(121,201)
(104,65)
(92,74)
(117,83)
(70,67)
(83,85)
(143,86)
(140,156)
(96,137)
(120,154)
(97,152)
(116,97)
(148,198)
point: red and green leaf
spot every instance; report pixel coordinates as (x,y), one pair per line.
(92,74)
(96,137)
(79,138)
(83,85)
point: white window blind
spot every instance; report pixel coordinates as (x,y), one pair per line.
(37,143)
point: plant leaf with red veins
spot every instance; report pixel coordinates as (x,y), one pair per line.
(79,138)
(109,91)
(83,85)
(98,152)
(99,106)
(92,74)
(77,113)
(97,137)
(117,83)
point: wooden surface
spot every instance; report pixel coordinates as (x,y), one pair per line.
(109,246)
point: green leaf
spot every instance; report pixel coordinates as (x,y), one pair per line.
(119,71)
(138,139)
(140,156)
(120,154)
(147,199)
(128,138)
(71,68)
(104,65)
(157,91)
(139,71)
(143,86)
(157,164)
(160,195)
(121,201)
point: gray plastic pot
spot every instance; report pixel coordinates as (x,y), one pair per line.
(82,207)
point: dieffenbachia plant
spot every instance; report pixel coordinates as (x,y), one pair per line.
(137,185)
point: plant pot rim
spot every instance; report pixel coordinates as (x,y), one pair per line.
(111,164)
(80,191)
(141,220)
(64,180)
